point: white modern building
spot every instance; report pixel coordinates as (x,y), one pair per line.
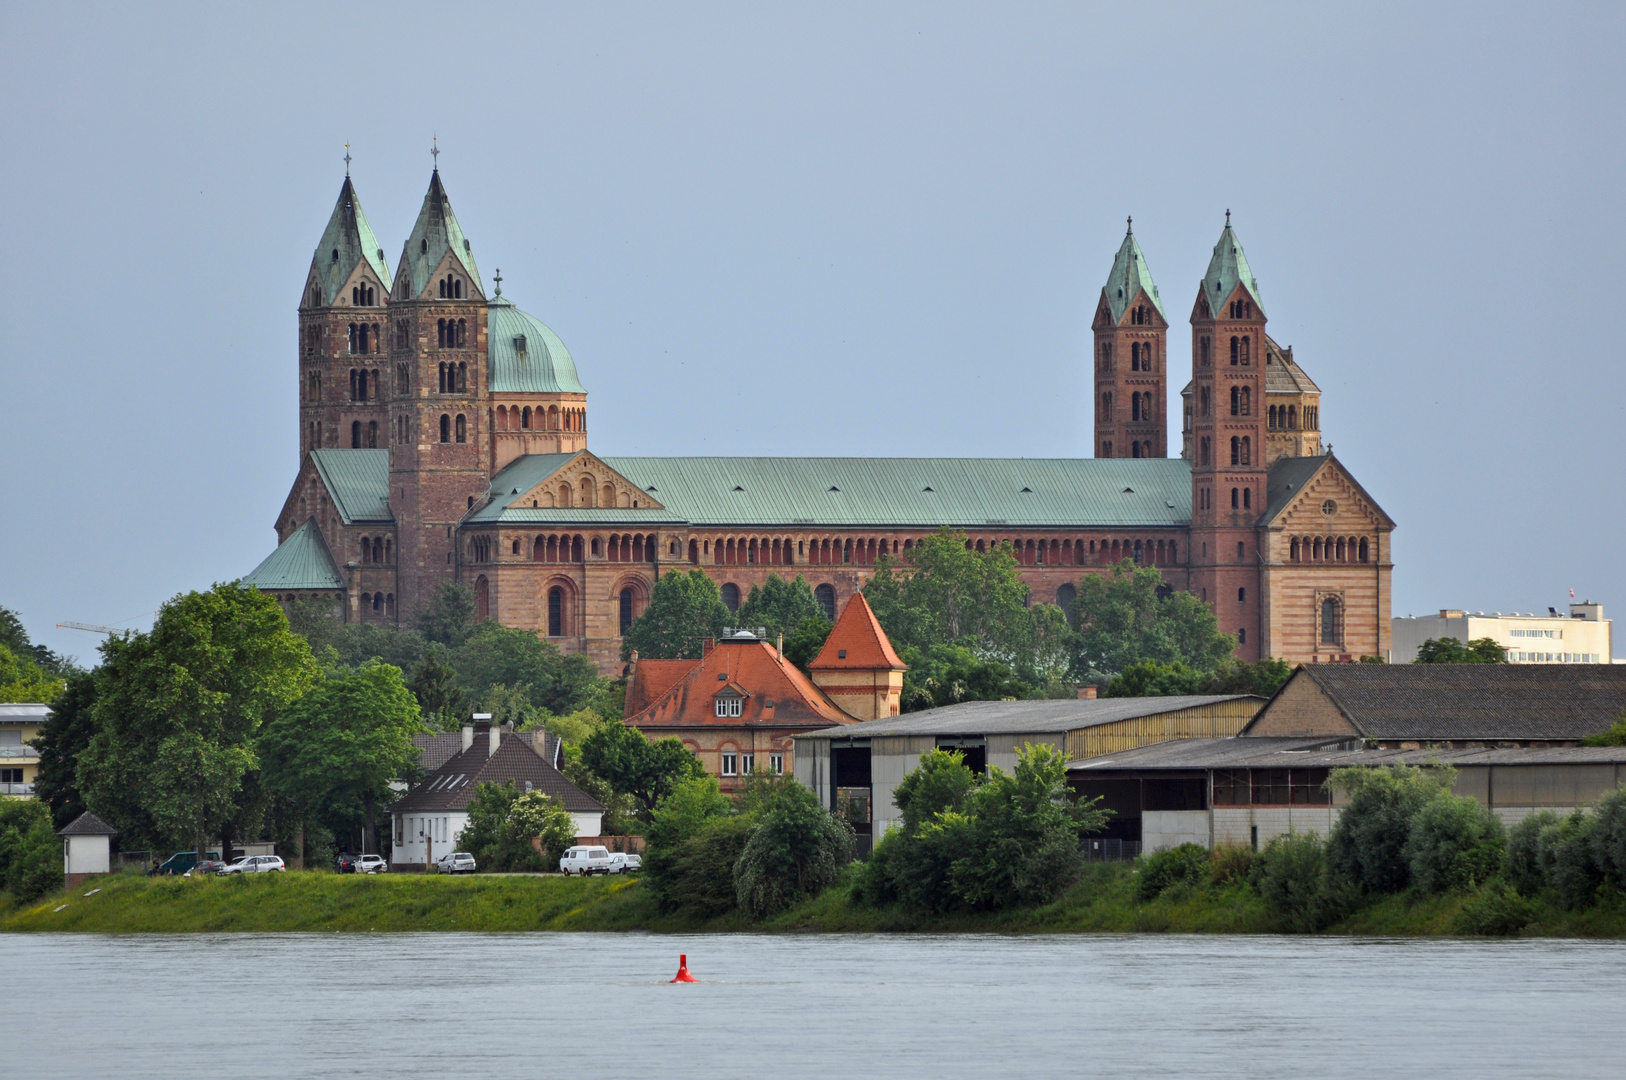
(1583,636)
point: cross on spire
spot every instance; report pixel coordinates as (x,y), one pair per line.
(347,159)
(498,279)
(1227,219)
(434,152)
(1131,223)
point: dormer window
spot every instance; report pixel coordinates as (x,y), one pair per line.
(729,704)
(519,344)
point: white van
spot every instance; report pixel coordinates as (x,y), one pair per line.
(586,860)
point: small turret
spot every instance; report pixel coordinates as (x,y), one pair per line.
(858,669)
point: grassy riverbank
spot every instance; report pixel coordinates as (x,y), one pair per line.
(320,902)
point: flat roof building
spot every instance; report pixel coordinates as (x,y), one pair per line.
(1583,636)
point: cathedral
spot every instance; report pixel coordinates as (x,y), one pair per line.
(444,437)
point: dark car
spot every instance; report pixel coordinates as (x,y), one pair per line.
(181,862)
(345,862)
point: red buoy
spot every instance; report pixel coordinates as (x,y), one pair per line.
(683,969)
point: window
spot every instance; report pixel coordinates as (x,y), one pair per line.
(445,428)
(730,764)
(748,764)
(1329,621)
(1236,450)
(1202,351)
(462,429)
(1241,551)
(1235,502)
(731,600)
(1065,595)
(355,434)
(556,612)
(1236,401)
(826,596)
(776,764)
(1242,596)
(626,609)
(1236,350)
(1242,636)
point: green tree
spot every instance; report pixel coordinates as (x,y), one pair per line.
(946,674)
(693,841)
(806,639)
(796,849)
(1524,852)
(30,852)
(539,815)
(1128,616)
(1300,891)
(1152,678)
(633,765)
(23,680)
(1169,868)
(684,609)
(942,592)
(493,654)
(340,746)
(65,733)
(448,616)
(1451,651)
(1455,843)
(1368,844)
(434,683)
(13,636)
(1566,854)
(494,835)
(1613,735)
(1609,837)
(939,783)
(180,708)
(780,606)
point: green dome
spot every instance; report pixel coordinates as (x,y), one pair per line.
(526,357)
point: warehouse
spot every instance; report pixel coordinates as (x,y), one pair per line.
(854,768)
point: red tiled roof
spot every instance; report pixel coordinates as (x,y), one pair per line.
(750,667)
(859,636)
(651,679)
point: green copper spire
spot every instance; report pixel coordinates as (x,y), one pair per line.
(1130,277)
(1227,269)
(347,241)
(435,233)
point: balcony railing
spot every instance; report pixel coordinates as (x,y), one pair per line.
(16,789)
(13,752)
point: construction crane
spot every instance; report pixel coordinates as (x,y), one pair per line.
(92,627)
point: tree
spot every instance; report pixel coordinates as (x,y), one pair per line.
(1613,735)
(779,606)
(806,639)
(939,783)
(13,636)
(448,616)
(1128,616)
(1455,842)
(1367,846)
(497,833)
(434,683)
(23,680)
(1152,678)
(30,852)
(1292,877)
(340,746)
(684,609)
(1451,651)
(632,765)
(946,674)
(538,815)
(179,710)
(61,739)
(942,592)
(796,849)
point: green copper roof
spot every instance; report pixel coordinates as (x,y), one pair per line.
(300,562)
(435,232)
(850,492)
(347,241)
(1130,276)
(359,481)
(1226,269)
(526,356)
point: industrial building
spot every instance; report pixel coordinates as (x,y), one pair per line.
(1583,636)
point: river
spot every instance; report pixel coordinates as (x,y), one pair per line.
(824,1006)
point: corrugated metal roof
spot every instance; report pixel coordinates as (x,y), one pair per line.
(358,481)
(1227,268)
(346,241)
(300,562)
(544,367)
(1020,717)
(434,233)
(1130,276)
(1249,751)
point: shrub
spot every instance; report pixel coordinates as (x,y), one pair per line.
(494,837)
(1609,836)
(1367,845)
(796,849)
(1163,870)
(1494,910)
(1454,843)
(1292,878)
(1524,854)
(940,782)
(1564,852)
(1230,863)
(545,818)
(696,877)
(30,852)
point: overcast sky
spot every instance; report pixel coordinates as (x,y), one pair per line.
(851,230)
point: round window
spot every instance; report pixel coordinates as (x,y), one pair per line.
(1329,508)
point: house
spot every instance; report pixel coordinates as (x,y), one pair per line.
(429,820)
(86,847)
(1513,733)
(854,769)
(740,705)
(19,762)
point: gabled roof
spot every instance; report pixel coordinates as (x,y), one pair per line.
(901,492)
(434,234)
(777,694)
(358,481)
(452,785)
(436,748)
(1283,374)
(1289,476)
(1129,278)
(1227,268)
(87,824)
(650,679)
(347,241)
(1512,702)
(526,356)
(857,642)
(519,479)
(300,562)
(1048,716)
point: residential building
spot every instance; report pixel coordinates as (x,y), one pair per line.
(19,762)
(86,847)
(429,820)
(1583,636)
(444,437)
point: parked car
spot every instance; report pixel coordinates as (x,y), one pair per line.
(586,860)
(253,864)
(345,862)
(182,861)
(372,864)
(455,862)
(630,863)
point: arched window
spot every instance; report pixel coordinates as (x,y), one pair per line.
(440,333)
(1134,408)
(1203,400)
(731,596)
(1292,418)
(1295,550)
(1247,498)
(1247,351)
(1106,449)
(1365,551)
(482,599)
(445,428)
(1202,351)
(1106,406)
(525,417)
(372,434)
(1247,401)
(1236,450)
(556,612)
(1236,350)
(1134,449)
(1134,353)
(462,327)
(462,429)
(826,596)
(626,609)
(1242,595)
(1204,448)
(1329,621)
(1235,500)
(1236,401)
(1065,595)
(361,338)
(355,434)
(576,549)
(1342,550)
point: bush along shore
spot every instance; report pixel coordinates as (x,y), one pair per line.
(973,854)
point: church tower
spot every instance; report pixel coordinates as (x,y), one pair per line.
(440,460)
(341,319)
(1131,369)
(1228,442)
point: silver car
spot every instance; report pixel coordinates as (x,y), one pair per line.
(372,864)
(253,864)
(455,862)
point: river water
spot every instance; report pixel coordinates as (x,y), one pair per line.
(825,1006)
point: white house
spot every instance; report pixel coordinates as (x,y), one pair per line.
(429,820)
(87,847)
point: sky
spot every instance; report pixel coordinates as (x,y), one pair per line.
(824,229)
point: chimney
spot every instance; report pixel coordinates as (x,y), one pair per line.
(781,656)
(492,733)
(1087,693)
(468,736)
(706,644)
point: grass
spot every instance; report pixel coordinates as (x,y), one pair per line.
(1103,901)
